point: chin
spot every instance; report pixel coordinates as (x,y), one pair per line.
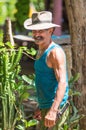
(38,42)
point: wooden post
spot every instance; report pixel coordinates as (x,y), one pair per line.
(8,32)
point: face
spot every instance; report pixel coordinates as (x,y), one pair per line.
(42,36)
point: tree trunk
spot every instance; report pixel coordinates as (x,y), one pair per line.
(76,10)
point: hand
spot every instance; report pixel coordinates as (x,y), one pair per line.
(37,114)
(50,118)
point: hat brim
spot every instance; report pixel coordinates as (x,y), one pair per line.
(39,26)
(23,38)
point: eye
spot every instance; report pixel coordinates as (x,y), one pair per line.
(33,31)
(41,31)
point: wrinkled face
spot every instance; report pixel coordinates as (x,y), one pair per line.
(42,36)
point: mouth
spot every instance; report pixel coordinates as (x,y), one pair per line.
(39,38)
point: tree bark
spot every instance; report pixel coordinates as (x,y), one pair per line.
(76,11)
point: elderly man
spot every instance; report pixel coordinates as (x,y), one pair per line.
(50,69)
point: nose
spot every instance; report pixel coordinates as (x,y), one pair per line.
(36,32)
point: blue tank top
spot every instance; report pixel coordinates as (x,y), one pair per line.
(46,82)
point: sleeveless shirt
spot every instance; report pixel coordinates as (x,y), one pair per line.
(46,82)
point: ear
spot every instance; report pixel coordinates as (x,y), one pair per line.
(51,30)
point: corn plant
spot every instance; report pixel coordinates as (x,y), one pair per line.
(12,90)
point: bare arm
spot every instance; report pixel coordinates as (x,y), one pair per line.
(56,60)
(58,63)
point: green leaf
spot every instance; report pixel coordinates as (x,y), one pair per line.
(27,79)
(75,93)
(20,127)
(1,44)
(9,45)
(24,96)
(31,51)
(65,127)
(74,79)
(32,123)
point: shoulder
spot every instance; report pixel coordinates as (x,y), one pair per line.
(57,53)
(56,57)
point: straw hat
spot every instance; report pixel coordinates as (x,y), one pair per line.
(39,21)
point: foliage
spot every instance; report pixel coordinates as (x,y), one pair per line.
(13,90)
(39,5)
(18,11)
(13,86)
(7,9)
(24,10)
(72,122)
(1,35)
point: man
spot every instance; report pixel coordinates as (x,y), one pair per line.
(50,69)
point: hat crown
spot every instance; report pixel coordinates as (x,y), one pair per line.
(41,17)
(39,21)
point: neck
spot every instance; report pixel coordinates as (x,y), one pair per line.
(43,47)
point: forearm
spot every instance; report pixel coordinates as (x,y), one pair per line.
(59,96)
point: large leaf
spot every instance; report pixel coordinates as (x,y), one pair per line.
(73,79)
(9,45)
(19,127)
(31,51)
(32,123)
(24,96)
(27,79)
